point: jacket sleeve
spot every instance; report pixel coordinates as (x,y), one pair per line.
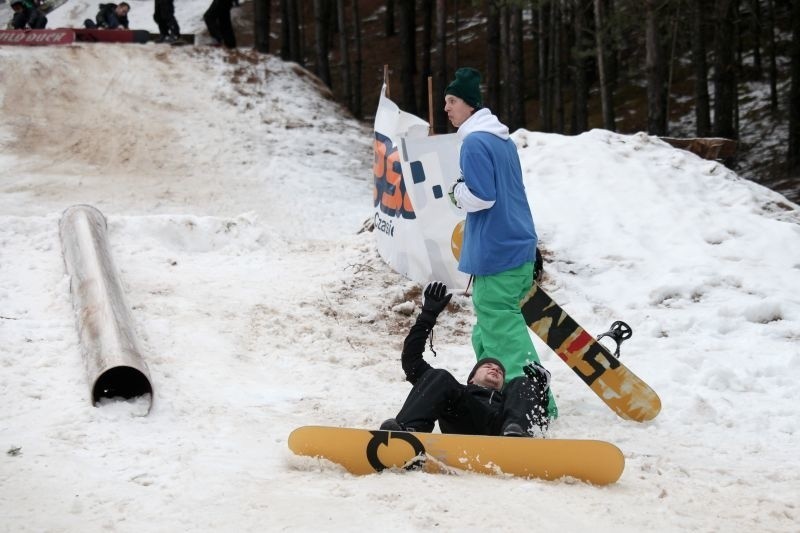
(479,175)
(414,365)
(468,201)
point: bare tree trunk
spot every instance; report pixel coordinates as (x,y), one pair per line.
(493,54)
(505,71)
(724,71)
(261,21)
(755,27)
(456,12)
(389,20)
(613,35)
(606,93)
(555,61)
(357,110)
(298,50)
(440,70)
(670,62)
(655,72)
(545,109)
(702,111)
(321,18)
(580,108)
(533,31)
(773,65)
(516,92)
(291,48)
(793,154)
(408,54)
(425,67)
(286,45)
(344,55)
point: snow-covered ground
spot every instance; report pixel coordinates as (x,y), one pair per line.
(235,194)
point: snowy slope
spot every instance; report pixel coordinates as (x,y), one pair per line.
(235,192)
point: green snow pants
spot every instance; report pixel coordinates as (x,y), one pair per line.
(500,330)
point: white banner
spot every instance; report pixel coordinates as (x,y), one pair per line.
(418,230)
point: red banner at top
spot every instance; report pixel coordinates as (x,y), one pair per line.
(37,37)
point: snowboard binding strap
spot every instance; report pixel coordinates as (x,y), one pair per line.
(619,332)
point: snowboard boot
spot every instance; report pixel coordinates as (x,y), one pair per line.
(392,424)
(512,429)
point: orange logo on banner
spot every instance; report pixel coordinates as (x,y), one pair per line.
(389,191)
(457,240)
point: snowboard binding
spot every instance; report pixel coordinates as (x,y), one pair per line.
(619,332)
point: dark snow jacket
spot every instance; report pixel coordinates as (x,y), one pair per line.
(28,17)
(107,17)
(467,409)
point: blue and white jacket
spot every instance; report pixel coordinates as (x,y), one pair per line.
(499,234)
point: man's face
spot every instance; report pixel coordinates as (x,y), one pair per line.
(122,11)
(489,375)
(458,111)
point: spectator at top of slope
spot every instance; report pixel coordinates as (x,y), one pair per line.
(27,16)
(110,16)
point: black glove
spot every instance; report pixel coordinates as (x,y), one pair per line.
(436,298)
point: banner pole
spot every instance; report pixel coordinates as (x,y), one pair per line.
(386,80)
(430,105)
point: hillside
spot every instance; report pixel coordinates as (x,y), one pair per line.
(763,135)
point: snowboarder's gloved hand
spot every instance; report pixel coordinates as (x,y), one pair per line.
(536,372)
(451,192)
(436,298)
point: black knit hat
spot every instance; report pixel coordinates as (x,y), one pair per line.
(467,86)
(482,362)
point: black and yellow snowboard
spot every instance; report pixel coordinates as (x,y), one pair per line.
(363,451)
(622,390)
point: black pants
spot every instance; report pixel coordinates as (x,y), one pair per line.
(30,18)
(165,18)
(469,410)
(218,21)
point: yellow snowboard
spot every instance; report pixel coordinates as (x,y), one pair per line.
(363,451)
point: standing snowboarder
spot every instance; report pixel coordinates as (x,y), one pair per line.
(499,236)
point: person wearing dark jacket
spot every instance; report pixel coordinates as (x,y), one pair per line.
(27,16)
(484,406)
(167,23)
(218,21)
(110,16)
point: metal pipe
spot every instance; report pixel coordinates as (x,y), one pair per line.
(114,364)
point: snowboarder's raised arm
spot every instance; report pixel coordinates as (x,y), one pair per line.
(435,300)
